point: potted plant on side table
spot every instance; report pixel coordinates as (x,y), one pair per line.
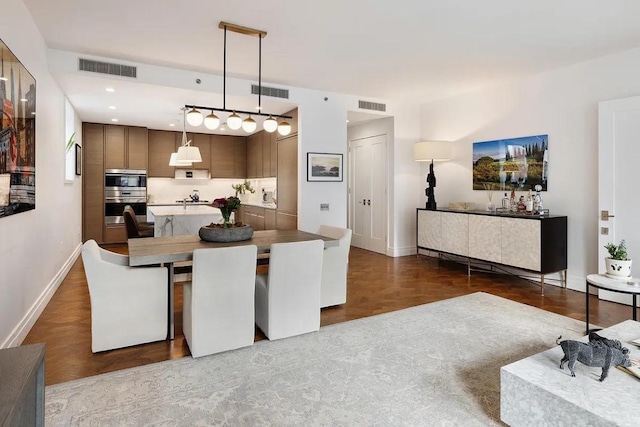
(618,263)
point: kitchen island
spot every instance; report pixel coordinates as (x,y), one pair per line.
(182,220)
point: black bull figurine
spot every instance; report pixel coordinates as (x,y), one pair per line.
(599,352)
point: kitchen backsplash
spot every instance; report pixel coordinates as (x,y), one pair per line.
(169,190)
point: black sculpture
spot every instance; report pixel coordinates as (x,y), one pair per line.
(429,191)
(599,352)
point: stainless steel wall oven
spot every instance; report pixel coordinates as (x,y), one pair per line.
(124,187)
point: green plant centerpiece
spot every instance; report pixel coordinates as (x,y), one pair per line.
(618,263)
(227,231)
(618,252)
(243,188)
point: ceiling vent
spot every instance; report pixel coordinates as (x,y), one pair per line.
(366,105)
(271,91)
(107,68)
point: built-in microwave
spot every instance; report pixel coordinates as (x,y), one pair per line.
(125,178)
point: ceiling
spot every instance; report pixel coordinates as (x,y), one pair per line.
(403,50)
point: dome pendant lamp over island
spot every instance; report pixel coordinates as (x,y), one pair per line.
(234,120)
(186,154)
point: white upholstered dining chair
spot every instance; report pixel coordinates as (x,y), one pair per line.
(288,296)
(128,304)
(333,287)
(218,307)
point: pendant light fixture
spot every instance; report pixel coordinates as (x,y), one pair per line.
(186,154)
(235,121)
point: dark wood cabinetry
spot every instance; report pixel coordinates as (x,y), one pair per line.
(262,155)
(92,181)
(288,175)
(161,144)
(228,156)
(125,147)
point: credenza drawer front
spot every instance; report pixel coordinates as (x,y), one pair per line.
(455,226)
(429,229)
(485,237)
(521,243)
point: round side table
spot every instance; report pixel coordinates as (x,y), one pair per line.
(629,286)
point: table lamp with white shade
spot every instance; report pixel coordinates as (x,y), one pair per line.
(431,151)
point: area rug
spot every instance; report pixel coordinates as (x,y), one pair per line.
(435,364)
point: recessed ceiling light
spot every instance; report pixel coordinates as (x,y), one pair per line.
(23,99)
(172,125)
(222,128)
(109,89)
(33,113)
(347,120)
(112,107)
(114,120)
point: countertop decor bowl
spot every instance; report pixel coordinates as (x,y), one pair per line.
(231,234)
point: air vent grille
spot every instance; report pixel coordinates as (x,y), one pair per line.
(271,91)
(366,105)
(107,68)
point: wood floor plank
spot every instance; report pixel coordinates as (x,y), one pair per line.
(376,284)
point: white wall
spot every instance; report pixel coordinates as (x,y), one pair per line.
(38,246)
(563,104)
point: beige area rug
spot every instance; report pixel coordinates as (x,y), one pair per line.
(433,365)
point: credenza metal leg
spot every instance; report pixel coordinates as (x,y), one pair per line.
(170,318)
(542,284)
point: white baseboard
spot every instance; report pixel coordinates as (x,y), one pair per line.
(22,329)
(404,251)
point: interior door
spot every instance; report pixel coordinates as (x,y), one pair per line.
(368,193)
(618,151)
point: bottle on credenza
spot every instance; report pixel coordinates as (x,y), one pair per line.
(506,204)
(513,202)
(529,203)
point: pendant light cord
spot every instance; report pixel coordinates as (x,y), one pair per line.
(224,72)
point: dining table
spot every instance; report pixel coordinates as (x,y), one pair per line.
(172,249)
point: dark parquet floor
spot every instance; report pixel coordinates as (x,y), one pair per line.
(376,284)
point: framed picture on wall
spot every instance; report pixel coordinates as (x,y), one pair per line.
(324,167)
(78,160)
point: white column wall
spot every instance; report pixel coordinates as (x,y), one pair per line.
(563,104)
(37,246)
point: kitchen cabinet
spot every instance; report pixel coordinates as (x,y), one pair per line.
(228,156)
(266,154)
(125,147)
(273,152)
(254,155)
(286,221)
(293,122)
(287,179)
(115,234)
(92,181)
(203,142)
(161,144)
(254,216)
(269,219)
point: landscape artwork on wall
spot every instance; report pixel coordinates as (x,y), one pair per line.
(516,163)
(324,167)
(17,135)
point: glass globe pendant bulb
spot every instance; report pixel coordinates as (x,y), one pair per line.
(212,121)
(249,125)
(234,121)
(194,117)
(284,128)
(270,124)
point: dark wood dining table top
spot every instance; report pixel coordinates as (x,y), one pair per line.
(157,250)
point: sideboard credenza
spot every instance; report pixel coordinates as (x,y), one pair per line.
(533,243)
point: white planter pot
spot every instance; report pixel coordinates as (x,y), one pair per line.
(618,268)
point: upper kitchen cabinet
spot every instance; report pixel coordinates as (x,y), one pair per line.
(228,156)
(92,181)
(161,144)
(203,142)
(262,155)
(125,147)
(287,199)
(293,122)
(254,155)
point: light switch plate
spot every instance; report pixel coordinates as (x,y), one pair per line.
(324,206)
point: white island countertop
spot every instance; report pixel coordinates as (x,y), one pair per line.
(181,221)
